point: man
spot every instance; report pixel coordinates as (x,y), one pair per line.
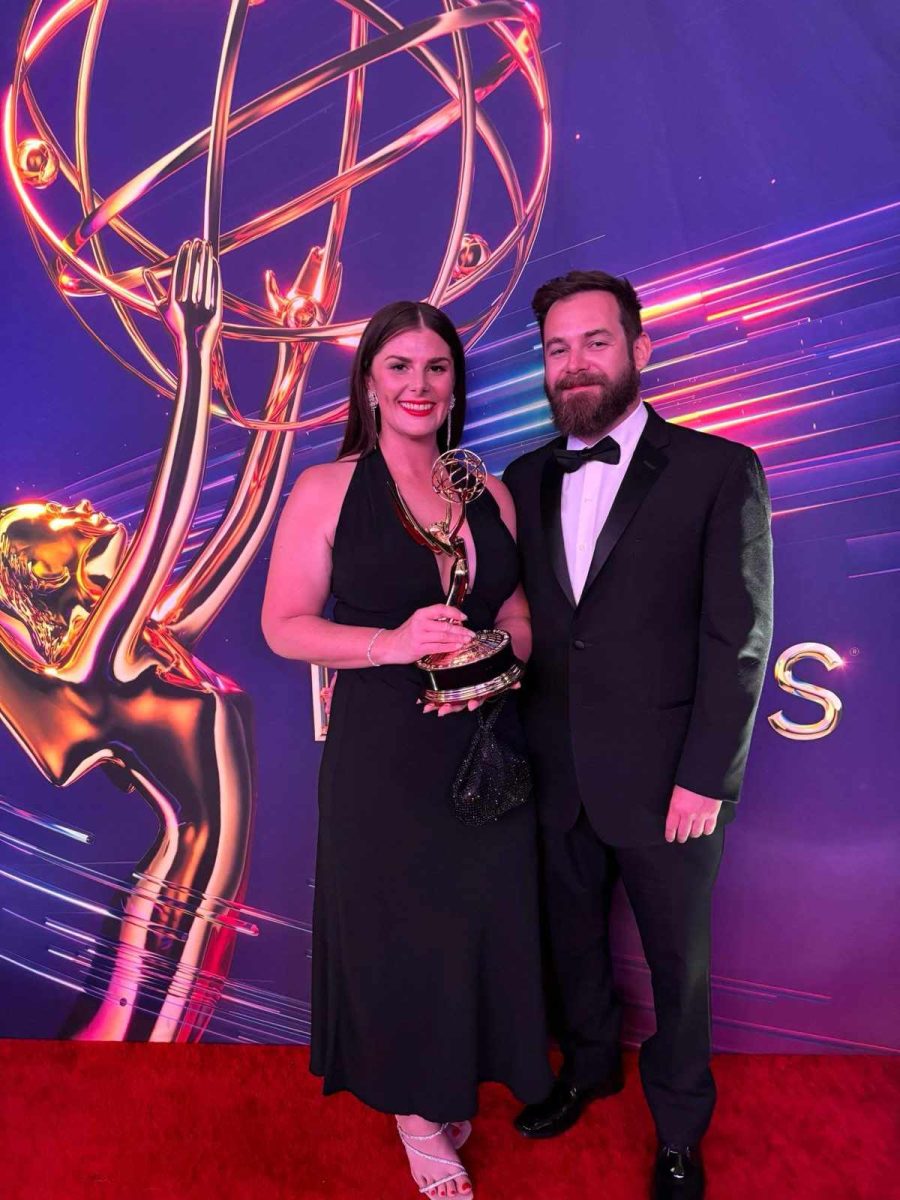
(647,562)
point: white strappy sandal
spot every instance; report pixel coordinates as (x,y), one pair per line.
(409,1138)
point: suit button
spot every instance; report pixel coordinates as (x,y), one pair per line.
(578,644)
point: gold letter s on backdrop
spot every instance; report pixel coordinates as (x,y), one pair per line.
(830,703)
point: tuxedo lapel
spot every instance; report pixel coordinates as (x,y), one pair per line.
(551,497)
(647,464)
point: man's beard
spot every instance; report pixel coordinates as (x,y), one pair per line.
(590,413)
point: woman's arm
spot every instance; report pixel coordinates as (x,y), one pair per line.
(299,580)
(299,584)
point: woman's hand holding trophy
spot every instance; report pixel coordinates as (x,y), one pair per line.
(482,664)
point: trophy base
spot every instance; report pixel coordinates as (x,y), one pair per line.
(483,669)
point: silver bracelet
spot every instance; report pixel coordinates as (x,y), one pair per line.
(375,636)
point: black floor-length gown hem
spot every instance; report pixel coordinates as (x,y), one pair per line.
(397,1105)
(426,954)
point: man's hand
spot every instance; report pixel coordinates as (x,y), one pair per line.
(690,815)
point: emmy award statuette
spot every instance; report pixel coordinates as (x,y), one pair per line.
(488,665)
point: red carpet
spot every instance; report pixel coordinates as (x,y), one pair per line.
(113,1122)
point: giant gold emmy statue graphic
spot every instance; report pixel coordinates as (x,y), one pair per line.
(98,631)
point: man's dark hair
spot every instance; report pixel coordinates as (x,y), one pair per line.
(591,281)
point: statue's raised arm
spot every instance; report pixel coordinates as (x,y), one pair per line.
(111,639)
(191,603)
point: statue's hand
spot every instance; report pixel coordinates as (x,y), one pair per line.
(192,308)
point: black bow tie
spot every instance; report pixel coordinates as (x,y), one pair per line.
(607,450)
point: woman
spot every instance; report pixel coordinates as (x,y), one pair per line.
(426,974)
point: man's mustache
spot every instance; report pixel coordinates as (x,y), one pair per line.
(584,379)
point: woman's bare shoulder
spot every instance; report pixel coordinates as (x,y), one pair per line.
(326,478)
(318,494)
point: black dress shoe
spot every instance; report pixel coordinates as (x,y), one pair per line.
(562,1108)
(678,1174)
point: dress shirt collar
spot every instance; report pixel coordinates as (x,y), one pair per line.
(627,434)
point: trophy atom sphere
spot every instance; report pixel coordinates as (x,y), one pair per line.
(80,233)
(458,476)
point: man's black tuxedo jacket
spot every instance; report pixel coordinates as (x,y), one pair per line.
(654,677)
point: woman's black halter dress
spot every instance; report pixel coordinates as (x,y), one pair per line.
(426,947)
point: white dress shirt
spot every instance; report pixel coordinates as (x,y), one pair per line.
(588,495)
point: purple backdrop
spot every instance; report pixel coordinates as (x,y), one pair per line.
(743,173)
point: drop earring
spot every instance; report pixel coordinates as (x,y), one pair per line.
(373,408)
(450,421)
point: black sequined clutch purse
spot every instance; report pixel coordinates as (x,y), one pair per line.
(494,777)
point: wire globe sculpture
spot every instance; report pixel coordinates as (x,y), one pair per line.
(294,319)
